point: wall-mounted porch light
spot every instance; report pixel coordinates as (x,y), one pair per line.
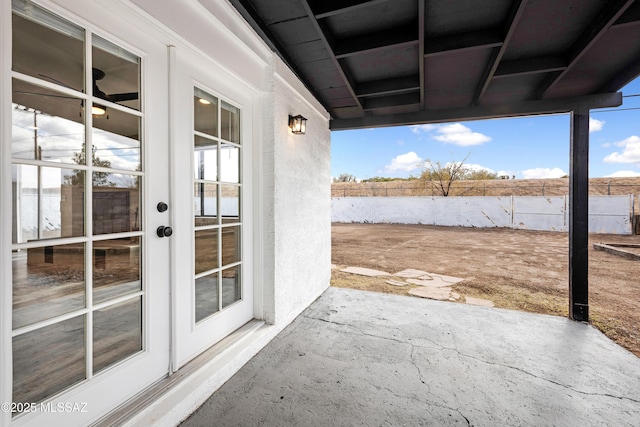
(298,124)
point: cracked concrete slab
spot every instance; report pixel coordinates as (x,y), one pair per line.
(365,271)
(362,358)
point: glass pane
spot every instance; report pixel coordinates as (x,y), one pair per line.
(48,360)
(116,140)
(230,122)
(230,203)
(230,245)
(229,163)
(117,333)
(205,111)
(47,47)
(206,251)
(206,296)
(47,282)
(231,289)
(47,203)
(46,125)
(116,203)
(205,159)
(116,74)
(116,268)
(205,204)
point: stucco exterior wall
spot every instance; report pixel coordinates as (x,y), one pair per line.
(302,199)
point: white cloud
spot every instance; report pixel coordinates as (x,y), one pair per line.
(404,163)
(630,152)
(476,167)
(542,173)
(417,129)
(458,134)
(595,125)
(623,174)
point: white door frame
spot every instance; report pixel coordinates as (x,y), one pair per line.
(189,69)
(108,389)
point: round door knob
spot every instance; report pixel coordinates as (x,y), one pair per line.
(163,231)
(162,207)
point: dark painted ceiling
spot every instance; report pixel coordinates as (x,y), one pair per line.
(391,62)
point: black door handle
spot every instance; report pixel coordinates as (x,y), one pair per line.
(163,231)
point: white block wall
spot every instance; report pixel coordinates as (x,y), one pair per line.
(540,213)
(607,214)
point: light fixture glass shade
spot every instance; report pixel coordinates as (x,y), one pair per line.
(298,124)
(98,110)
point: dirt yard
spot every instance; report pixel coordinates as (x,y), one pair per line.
(516,269)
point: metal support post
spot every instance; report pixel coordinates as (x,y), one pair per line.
(579,216)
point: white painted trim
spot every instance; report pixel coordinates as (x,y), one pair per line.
(173,190)
(5,211)
(171,37)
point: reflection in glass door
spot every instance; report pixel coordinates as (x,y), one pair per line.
(76,189)
(216,199)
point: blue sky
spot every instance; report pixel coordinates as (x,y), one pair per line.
(527,147)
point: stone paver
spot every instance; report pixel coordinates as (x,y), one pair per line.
(396,283)
(441,294)
(433,283)
(479,301)
(411,273)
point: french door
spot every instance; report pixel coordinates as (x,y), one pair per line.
(90,292)
(211,172)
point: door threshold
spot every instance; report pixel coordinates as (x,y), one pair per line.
(173,398)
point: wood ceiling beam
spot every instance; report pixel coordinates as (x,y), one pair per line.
(327,8)
(388,86)
(325,36)
(391,101)
(526,108)
(421,71)
(630,17)
(629,73)
(252,17)
(375,41)
(544,64)
(515,13)
(594,32)
(463,41)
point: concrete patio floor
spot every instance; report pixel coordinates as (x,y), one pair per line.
(361,358)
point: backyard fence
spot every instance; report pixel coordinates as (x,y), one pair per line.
(607,214)
(478,188)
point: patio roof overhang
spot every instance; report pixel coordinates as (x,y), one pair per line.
(381,62)
(375,63)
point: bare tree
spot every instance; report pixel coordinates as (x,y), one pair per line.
(345,177)
(442,176)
